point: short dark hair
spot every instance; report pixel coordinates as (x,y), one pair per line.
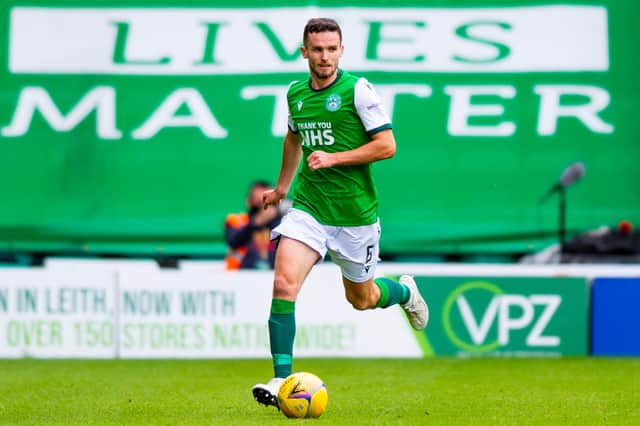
(260,183)
(320,25)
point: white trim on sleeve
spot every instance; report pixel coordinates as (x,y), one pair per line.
(290,122)
(369,106)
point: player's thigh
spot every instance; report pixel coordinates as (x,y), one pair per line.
(301,226)
(355,250)
(294,260)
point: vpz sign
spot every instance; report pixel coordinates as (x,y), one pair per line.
(479,317)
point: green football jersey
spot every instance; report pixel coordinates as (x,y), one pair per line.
(340,117)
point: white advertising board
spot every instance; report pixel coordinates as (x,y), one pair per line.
(200,312)
(174,41)
(105,309)
(56,314)
(188,314)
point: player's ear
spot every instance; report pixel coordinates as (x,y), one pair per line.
(303,50)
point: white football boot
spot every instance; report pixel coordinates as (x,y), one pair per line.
(416,308)
(268,394)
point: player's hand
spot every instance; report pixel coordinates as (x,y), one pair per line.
(271,197)
(320,160)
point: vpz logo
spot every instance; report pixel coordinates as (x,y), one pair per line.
(505,313)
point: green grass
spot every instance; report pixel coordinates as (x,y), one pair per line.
(438,391)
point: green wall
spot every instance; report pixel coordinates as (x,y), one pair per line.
(176,113)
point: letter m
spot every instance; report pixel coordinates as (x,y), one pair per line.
(100,98)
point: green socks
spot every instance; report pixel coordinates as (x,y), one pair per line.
(391,292)
(282,322)
(282,331)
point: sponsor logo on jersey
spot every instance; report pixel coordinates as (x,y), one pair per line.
(314,133)
(316,137)
(299,105)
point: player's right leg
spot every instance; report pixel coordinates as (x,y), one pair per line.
(294,261)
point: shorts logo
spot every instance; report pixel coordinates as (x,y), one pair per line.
(333,102)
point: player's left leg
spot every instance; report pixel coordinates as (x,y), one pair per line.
(355,249)
(383,292)
(380,292)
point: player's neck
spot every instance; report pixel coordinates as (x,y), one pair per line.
(321,83)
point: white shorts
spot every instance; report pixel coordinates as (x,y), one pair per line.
(354,249)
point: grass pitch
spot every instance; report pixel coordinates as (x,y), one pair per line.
(439,391)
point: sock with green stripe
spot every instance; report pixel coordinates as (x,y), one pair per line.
(282,331)
(391,292)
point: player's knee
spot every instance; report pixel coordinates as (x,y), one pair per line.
(283,287)
(361,303)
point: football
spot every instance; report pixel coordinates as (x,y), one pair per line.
(302,395)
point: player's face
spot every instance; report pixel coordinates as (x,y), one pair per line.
(323,51)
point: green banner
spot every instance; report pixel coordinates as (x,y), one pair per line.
(506,316)
(136,126)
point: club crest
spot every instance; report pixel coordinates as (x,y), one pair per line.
(333,102)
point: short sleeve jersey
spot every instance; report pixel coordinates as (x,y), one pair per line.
(339,117)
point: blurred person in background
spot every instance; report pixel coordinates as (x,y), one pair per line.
(248,233)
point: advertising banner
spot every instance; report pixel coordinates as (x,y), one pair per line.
(506,316)
(139,312)
(192,315)
(49,314)
(615,317)
(136,126)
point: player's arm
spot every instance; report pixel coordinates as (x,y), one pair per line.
(291,154)
(381,146)
(377,124)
